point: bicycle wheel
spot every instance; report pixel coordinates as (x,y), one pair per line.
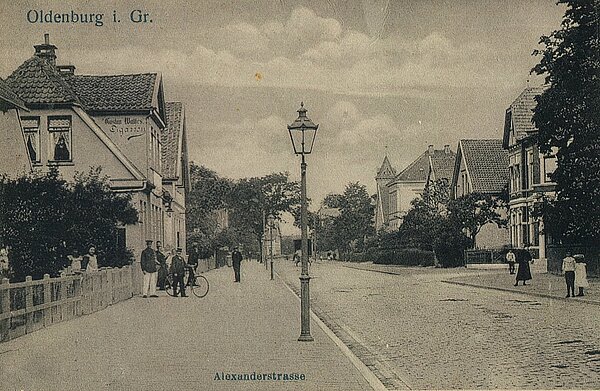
(169,285)
(201,287)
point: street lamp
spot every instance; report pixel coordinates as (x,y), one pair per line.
(271,222)
(302,133)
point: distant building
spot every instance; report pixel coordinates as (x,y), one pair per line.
(529,174)
(382,208)
(482,167)
(410,183)
(74,122)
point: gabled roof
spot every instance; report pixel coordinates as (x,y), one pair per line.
(486,163)
(171,139)
(386,170)
(418,170)
(108,93)
(519,115)
(37,81)
(442,164)
(8,95)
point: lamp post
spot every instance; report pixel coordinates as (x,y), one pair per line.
(302,133)
(271,222)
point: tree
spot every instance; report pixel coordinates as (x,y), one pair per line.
(474,210)
(43,218)
(251,200)
(208,193)
(420,225)
(567,118)
(354,224)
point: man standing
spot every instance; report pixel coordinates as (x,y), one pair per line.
(178,271)
(149,264)
(163,269)
(236,258)
(193,263)
(511,259)
(568,267)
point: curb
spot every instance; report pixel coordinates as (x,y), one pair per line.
(585,301)
(366,373)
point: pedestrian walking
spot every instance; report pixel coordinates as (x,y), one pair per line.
(236,258)
(297,257)
(524,273)
(149,265)
(90,260)
(177,269)
(163,269)
(511,260)
(581,281)
(568,268)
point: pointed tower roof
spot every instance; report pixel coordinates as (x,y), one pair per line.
(386,171)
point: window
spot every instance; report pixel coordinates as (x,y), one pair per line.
(31,130)
(59,129)
(549,167)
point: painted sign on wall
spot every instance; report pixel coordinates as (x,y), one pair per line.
(126,127)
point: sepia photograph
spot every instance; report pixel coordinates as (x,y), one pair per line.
(284,195)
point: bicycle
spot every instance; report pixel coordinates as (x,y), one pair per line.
(199,287)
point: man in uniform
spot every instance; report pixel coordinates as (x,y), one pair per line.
(149,268)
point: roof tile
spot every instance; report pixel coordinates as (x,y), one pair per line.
(114,92)
(170,138)
(487,163)
(37,81)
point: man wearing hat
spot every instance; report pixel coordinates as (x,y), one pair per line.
(149,265)
(178,266)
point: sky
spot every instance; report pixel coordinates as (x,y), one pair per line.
(377,76)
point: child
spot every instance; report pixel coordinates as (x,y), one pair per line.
(580,273)
(568,268)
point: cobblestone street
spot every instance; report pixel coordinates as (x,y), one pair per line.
(413,330)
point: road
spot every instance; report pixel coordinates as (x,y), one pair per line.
(415,331)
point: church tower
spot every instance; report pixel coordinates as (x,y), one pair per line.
(385,174)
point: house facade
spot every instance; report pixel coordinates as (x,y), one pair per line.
(481,166)
(529,175)
(13,161)
(410,183)
(76,122)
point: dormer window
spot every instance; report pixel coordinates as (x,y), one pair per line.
(59,129)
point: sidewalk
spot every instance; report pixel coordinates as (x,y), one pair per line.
(184,343)
(541,285)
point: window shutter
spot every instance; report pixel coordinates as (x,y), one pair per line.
(536,164)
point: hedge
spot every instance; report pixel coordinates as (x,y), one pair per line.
(405,256)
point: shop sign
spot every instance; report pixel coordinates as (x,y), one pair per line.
(126,127)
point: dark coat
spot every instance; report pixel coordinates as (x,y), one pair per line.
(148,261)
(523,259)
(236,258)
(178,265)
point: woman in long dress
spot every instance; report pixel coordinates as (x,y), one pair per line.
(524,272)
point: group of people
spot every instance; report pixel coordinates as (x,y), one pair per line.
(156,266)
(573,267)
(523,259)
(87,262)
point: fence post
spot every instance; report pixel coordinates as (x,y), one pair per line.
(4,308)
(47,300)
(28,304)
(63,297)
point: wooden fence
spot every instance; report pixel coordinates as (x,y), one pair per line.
(31,305)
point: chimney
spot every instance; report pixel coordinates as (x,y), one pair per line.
(46,50)
(430,150)
(447,149)
(66,69)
